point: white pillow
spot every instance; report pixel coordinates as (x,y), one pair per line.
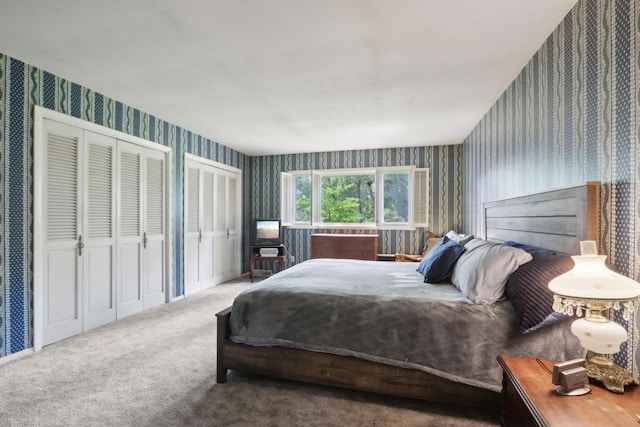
(482,271)
(461,239)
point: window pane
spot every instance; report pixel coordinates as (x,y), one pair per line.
(347,199)
(303,198)
(396,197)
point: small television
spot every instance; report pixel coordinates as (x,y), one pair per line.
(268,232)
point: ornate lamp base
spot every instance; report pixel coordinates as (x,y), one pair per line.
(613,377)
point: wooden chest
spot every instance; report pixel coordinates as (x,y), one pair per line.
(351,246)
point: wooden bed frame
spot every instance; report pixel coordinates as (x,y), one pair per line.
(556,220)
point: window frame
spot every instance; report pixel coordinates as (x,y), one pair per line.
(289,218)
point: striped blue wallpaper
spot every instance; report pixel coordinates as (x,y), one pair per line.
(21,87)
(571,116)
(445,185)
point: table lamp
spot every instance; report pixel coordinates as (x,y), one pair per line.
(589,291)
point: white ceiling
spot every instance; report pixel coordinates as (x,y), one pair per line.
(287,76)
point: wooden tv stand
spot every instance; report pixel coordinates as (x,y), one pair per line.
(256,256)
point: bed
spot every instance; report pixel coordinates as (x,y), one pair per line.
(376,326)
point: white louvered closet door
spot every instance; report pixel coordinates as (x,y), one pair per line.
(226,226)
(207,278)
(233,214)
(193,228)
(212,224)
(129,255)
(98,253)
(99,233)
(153,240)
(62,284)
(221,259)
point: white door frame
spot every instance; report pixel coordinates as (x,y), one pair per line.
(39,140)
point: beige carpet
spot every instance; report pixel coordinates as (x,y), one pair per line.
(157,368)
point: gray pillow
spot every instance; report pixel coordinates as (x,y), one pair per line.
(482,271)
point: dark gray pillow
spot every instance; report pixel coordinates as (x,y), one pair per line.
(528,288)
(437,264)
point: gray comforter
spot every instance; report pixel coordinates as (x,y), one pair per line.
(382,311)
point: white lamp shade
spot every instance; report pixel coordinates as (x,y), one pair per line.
(591,279)
(600,337)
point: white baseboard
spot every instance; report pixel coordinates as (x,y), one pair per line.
(17,355)
(178,298)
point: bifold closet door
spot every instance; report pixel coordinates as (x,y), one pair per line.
(62,287)
(153,235)
(129,217)
(233,223)
(79,288)
(207,275)
(141,244)
(100,227)
(200,227)
(211,226)
(226,259)
(98,245)
(193,228)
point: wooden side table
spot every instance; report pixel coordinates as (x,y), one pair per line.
(530,399)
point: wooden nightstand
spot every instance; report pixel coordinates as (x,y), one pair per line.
(530,399)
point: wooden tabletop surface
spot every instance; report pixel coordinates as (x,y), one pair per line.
(600,407)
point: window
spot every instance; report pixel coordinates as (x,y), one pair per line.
(347,198)
(394,197)
(395,203)
(302,194)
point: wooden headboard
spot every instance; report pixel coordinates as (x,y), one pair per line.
(556,219)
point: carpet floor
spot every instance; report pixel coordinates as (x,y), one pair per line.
(157,368)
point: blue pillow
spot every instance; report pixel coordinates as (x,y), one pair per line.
(423,262)
(439,261)
(533,250)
